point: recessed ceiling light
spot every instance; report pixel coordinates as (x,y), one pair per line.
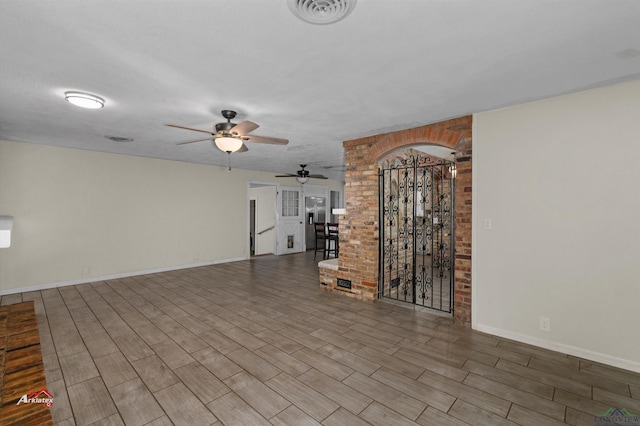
(84,100)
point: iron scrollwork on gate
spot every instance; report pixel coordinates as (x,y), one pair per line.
(416,233)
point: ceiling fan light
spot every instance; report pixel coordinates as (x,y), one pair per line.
(227,144)
(302,179)
(84,100)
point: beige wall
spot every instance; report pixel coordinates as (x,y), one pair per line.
(83,215)
(558,179)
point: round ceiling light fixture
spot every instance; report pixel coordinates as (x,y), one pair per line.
(84,100)
(321,12)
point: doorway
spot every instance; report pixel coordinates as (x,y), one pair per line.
(417,206)
(278,216)
(262,218)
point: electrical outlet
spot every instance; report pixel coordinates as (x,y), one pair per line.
(487,224)
(545,324)
(86,270)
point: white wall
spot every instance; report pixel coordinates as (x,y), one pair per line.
(559,181)
(84,215)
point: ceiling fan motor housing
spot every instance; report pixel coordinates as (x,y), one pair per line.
(224,127)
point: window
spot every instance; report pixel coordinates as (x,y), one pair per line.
(290,203)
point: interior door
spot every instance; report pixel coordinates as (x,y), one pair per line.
(290,220)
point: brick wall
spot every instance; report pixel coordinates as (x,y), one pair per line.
(359,228)
(462,285)
(358,259)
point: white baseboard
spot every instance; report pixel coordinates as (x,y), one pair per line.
(86,280)
(613,361)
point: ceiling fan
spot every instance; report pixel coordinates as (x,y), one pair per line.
(303,175)
(230,137)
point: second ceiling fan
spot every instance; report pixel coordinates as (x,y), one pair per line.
(303,175)
(230,137)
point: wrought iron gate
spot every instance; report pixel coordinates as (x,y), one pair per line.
(417,207)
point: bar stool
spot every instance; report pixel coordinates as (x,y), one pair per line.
(321,236)
(333,240)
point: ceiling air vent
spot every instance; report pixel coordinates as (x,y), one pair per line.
(119,138)
(321,12)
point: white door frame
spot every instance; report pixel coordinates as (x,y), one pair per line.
(257,184)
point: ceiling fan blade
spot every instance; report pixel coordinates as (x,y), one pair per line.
(318,177)
(197,140)
(244,127)
(243,148)
(266,139)
(189,128)
(287,175)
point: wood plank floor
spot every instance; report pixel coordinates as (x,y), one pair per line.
(258,343)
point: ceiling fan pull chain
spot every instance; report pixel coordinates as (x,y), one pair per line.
(229,161)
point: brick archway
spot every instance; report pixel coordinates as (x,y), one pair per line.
(359,227)
(418,136)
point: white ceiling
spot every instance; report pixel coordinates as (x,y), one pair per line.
(390,65)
